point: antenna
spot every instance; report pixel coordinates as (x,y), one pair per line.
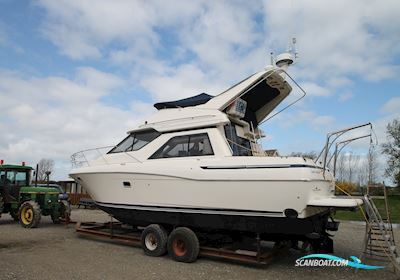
(296,54)
(284,60)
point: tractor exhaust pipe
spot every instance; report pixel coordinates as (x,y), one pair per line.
(36,174)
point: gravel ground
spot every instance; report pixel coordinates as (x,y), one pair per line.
(56,252)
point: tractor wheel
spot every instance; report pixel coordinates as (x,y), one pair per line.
(29,214)
(14,214)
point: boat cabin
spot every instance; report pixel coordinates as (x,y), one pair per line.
(203,125)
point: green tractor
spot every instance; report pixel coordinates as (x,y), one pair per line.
(26,203)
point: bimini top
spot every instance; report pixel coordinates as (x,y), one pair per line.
(262,91)
(187,102)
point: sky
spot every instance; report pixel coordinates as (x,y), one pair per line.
(78,74)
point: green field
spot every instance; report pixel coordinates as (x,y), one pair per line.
(394,205)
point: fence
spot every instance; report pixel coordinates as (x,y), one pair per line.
(75,197)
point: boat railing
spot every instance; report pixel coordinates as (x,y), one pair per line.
(83,158)
(332,138)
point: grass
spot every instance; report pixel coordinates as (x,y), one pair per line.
(394,206)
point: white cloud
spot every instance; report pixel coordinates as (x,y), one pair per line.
(306,117)
(81,29)
(345,96)
(187,80)
(221,35)
(53,117)
(313,89)
(337,82)
(392,106)
(323,120)
(224,40)
(142,109)
(340,38)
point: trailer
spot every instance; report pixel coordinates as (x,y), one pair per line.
(182,244)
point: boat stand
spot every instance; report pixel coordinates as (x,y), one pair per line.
(123,234)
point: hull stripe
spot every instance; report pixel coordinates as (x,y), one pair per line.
(262,166)
(194,210)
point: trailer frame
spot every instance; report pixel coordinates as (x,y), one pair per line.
(118,232)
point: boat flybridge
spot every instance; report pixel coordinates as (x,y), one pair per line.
(197,163)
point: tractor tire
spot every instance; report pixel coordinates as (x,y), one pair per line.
(29,214)
(154,240)
(183,245)
(14,214)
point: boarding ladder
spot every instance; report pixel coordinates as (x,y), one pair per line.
(379,237)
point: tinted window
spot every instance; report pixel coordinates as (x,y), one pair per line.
(240,146)
(16,178)
(135,141)
(21,178)
(185,146)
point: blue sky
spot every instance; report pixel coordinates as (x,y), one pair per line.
(79,74)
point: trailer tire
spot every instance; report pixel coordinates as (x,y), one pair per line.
(183,245)
(29,214)
(154,240)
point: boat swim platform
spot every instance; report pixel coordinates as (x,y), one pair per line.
(117,232)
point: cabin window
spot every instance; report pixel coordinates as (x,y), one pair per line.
(185,146)
(135,141)
(240,146)
(11,178)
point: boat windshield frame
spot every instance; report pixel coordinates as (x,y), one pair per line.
(138,141)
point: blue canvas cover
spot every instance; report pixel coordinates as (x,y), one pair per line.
(186,102)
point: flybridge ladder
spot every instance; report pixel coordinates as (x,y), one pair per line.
(379,238)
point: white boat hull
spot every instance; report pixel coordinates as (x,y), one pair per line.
(255,190)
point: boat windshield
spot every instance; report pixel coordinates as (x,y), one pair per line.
(240,146)
(135,141)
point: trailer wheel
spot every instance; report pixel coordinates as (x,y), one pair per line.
(183,245)
(154,240)
(29,214)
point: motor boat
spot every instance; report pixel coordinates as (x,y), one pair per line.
(197,162)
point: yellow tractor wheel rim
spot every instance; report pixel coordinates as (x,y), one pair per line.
(27,216)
